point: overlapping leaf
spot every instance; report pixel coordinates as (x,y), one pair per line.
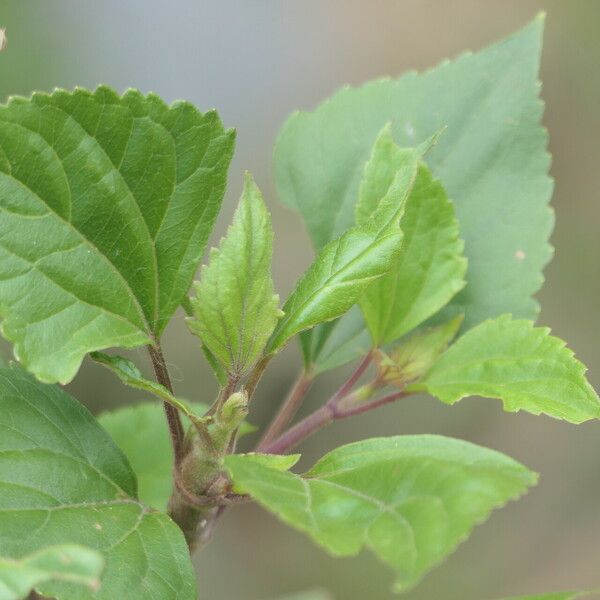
(346,266)
(235,309)
(491,159)
(523,366)
(72,564)
(410,499)
(63,481)
(430,268)
(106,205)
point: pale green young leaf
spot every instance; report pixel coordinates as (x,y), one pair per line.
(342,271)
(410,499)
(107,202)
(430,268)
(141,432)
(66,482)
(415,355)
(130,375)
(388,179)
(523,366)
(335,281)
(71,564)
(492,160)
(234,307)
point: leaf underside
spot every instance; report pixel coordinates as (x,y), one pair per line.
(63,481)
(410,499)
(106,204)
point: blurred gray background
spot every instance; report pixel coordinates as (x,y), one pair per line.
(256,61)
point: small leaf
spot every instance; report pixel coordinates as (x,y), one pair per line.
(410,499)
(492,160)
(142,434)
(235,309)
(514,362)
(67,563)
(430,268)
(413,357)
(130,375)
(106,203)
(341,273)
(65,482)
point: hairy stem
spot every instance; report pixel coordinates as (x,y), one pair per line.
(173,418)
(288,410)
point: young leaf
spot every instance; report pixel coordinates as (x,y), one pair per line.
(65,482)
(492,160)
(410,499)
(514,362)
(413,357)
(235,309)
(335,281)
(344,269)
(430,268)
(142,434)
(106,205)
(130,375)
(67,563)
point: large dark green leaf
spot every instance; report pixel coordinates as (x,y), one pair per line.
(63,481)
(106,204)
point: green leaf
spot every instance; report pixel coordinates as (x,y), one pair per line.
(430,268)
(65,482)
(514,362)
(130,375)
(107,202)
(235,309)
(340,274)
(410,499)
(492,160)
(414,356)
(72,564)
(142,434)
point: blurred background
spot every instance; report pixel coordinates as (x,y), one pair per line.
(256,61)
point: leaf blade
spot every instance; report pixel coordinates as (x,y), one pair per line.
(492,160)
(235,307)
(67,483)
(358,480)
(521,365)
(92,179)
(73,564)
